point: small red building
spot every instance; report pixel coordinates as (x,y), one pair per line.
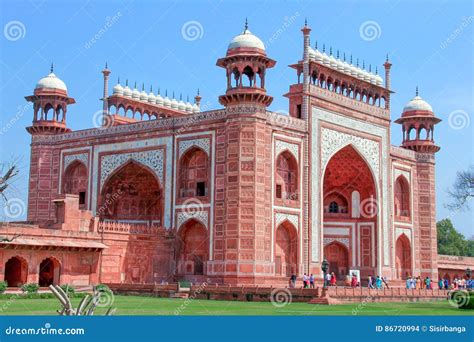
(164,190)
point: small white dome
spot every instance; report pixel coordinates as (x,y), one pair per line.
(167,101)
(127,91)
(246,40)
(354,70)
(51,82)
(159,100)
(135,94)
(318,56)
(325,59)
(340,65)
(196,108)
(347,68)
(332,62)
(174,103)
(189,107)
(143,96)
(151,97)
(367,75)
(378,80)
(118,89)
(417,103)
(311,52)
(181,105)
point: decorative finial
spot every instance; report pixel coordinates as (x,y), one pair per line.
(105,65)
(344,57)
(198,91)
(158,90)
(376,70)
(118,80)
(386,59)
(370,67)
(187,98)
(416,90)
(166,92)
(126,82)
(52,67)
(363,64)
(151,88)
(135,86)
(143,86)
(305,22)
(246,24)
(173,94)
(330,51)
(316,45)
(181,97)
(337,54)
(351,59)
(357,62)
(324,47)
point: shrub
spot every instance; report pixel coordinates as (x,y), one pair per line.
(30,288)
(462,299)
(3,286)
(102,288)
(68,289)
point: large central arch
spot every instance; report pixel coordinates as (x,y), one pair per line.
(16,271)
(131,193)
(350,210)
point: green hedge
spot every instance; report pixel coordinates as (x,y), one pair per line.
(3,286)
(462,299)
(30,288)
(37,295)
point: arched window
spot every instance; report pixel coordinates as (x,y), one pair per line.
(286,180)
(75,182)
(193,174)
(335,203)
(402,197)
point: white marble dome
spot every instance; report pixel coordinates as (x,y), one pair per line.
(127,91)
(417,103)
(151,97)
(159,99)
(118,89)
(246,40)
(51,81)
(189,107)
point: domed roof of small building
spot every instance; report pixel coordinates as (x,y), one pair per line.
(118,89)
(417,103)
(246,40)
(51,81)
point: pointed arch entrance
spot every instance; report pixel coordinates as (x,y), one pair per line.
(49,272)
(338,257)
(131,193)
(75,182)
(16,272)
(192,248)
(403,257)
(350,212)
(286,250)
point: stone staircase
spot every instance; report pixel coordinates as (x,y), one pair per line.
(184,288)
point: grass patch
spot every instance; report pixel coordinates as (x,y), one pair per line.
(141,305)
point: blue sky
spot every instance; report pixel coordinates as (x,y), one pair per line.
(430,44)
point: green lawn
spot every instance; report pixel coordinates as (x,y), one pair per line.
(136,305)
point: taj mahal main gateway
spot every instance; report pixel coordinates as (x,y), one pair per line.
(241,195)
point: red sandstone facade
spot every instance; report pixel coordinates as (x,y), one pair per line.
(163,191)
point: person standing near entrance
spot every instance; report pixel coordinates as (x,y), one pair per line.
(305,281)
(328,279)
(293,281)
(311,281)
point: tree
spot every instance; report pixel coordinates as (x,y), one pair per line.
(451,242)
(462,191)
(7,176)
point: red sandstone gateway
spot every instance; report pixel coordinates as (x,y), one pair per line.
(163,191)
